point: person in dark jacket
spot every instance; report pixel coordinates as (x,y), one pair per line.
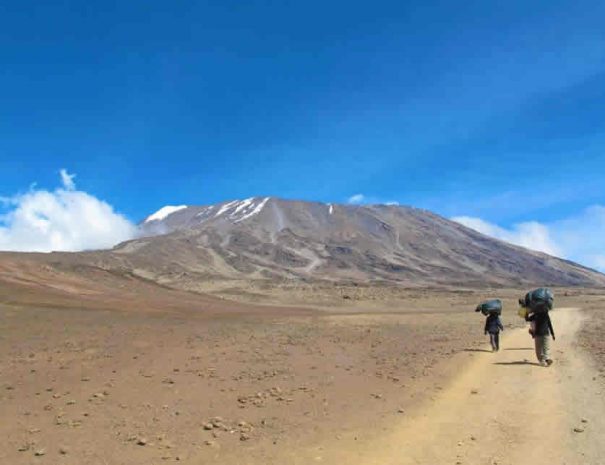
(493,326)
(542,331)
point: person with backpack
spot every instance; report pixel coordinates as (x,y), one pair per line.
(542,331)
(493,326)
(537,304)
(492,310)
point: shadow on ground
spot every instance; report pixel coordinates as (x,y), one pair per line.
(519,362)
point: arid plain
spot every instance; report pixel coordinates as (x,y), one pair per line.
(153,375)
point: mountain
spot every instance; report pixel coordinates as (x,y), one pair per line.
(245,248)
(268,239)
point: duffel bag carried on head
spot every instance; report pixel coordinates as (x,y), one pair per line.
(539,300)
(493,306)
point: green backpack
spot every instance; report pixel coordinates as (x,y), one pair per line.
(539,300)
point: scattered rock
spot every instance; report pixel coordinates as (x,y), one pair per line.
(400,410)
(584,420)
(475,391)
(63,450)
(141,442)
(40,453)
(578,430)
(244,437)
(245,427)
(208,426)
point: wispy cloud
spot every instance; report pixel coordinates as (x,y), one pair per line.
(61,220)
(68,180)
(579,237)
(356,199)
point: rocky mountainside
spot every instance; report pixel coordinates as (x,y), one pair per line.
(274,239)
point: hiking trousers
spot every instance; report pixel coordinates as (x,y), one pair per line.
(542,348)
(494,339)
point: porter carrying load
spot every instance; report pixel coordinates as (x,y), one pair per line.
(490,307)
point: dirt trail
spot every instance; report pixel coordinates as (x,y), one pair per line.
(503,409)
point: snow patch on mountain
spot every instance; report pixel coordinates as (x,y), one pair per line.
(256,210)
(164,212)
(240,210)
(242,205)
(226,207)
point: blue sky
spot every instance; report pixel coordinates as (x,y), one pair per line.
(492,110)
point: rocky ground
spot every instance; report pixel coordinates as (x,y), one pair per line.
(592,335)
(121,383)
(98,386)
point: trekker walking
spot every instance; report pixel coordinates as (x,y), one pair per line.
(542,331)
(536,306)
(493,326)
(492,310)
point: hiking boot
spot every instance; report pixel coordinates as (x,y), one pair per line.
(543,363)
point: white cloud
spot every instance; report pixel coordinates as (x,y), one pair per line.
(62,220)
(531,235)
(580,238)
(68,180)
(356,199)
(359,199)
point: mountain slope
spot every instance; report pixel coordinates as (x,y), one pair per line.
(269,238)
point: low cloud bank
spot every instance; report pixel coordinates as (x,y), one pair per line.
(61,220)
(580,238)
